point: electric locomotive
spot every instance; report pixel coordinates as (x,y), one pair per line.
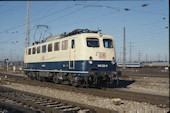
(81,57)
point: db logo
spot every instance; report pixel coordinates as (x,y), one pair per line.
(102,55)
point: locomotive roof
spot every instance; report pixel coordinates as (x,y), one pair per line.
(65,35)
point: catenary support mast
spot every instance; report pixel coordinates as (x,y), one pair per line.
(27,39)
(124,51)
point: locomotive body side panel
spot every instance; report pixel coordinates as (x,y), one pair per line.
(74,55)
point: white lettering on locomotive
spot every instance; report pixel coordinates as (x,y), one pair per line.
(102,65)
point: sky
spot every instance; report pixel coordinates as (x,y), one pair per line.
(146,24)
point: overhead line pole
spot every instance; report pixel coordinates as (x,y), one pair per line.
(139,57)
(130,56)
(27,39)
(130,60)
(124,51)
(146,58)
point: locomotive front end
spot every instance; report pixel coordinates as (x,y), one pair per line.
(101,62)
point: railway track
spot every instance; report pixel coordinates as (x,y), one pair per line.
(145,75)
(161,101)
(12,107)
(34,103)
(147,72)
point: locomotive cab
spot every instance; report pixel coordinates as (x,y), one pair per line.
(94,57)
(100,57)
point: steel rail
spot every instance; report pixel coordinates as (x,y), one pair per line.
(48,104)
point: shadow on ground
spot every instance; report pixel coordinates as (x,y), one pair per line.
(121,84)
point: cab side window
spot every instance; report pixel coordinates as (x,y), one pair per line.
(72,44)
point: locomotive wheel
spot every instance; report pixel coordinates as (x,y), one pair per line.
(38,78)
(56,80)
(75,83)
(104,83)
(30,75)
(42,79)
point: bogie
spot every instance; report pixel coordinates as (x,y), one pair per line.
(71,79)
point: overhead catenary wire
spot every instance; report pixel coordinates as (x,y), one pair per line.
(97,18)
(153,28)
(85,20)
(43,17)
(37,19)
(51,14)
(147,38)
(67,14)
(9,10)
(22,24)
(4,3)
(155,13)
(31,21)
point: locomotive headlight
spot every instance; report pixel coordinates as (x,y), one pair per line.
(113,60)
(90,60)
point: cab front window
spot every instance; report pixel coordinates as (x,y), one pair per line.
(107,43)
(92,42)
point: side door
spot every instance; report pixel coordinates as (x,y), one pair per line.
(72,54)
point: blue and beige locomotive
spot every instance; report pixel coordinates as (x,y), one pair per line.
(81,57)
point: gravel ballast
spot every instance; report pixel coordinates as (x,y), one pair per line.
(124,106)
(150,85)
